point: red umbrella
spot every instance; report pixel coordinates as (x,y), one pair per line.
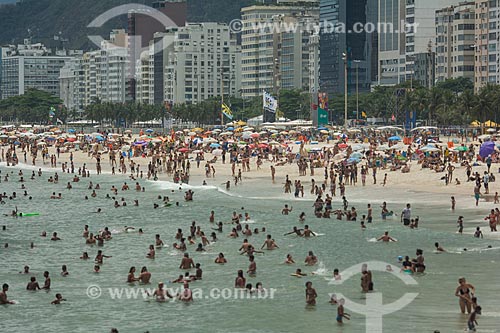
(342,145)
(183,150)
(263,145)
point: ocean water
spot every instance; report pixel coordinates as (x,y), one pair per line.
(340,245)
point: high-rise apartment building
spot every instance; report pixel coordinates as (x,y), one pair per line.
(100,75)
(273,56)
(407,48)
(360,45)
(30,66)
(455,42)
(205,62)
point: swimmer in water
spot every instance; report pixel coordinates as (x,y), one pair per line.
(289,260)
(311,294)
(386,238)
(58,299)
(161,294)
(439,248)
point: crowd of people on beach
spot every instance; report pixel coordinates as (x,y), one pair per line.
(173,161)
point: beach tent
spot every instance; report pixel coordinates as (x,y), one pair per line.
(490,123)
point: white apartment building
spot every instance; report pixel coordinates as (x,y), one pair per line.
(455,42)
(204,62)
(144,90)
(100,75)
(266,65)
(28,66)
(402,49)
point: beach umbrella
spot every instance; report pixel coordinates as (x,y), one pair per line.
(197,129)
(395,138)
(255,135)
(343,136)
(491,130)
(486,149)
(429,148)
(71,130)
(4,136)
(284,133)
(246,135)
(17,143)
(461,148)
(342,146)
(128,132)
(484,137)
(149,130)
(191,133)
(99,138)
(230,129)
(322,129)
(183,150)
(217,130)
(353,160)
(357,147)
(356,155)
(196,151)
(339,157)
(197,141)
(323,132)
(226,133)
(274,143)
(209,140)
(214,145)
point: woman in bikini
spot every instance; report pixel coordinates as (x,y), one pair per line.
(465,292)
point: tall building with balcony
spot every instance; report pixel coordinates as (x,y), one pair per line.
(455,42)
(407,49)
(98,75)
(273,57)
(205,62)
(360,46)
(487,46)
(29,66)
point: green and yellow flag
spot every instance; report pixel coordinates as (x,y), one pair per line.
(227,111)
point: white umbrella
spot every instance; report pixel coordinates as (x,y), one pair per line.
(125,148)
(246,135)
(226,133)
(209,140)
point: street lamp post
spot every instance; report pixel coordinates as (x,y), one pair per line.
(344,57)
(357,88)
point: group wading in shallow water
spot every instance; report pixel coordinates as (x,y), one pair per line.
(330,195)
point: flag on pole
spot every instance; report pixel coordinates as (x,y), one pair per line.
(270,103)
(227,111)
(363,114)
